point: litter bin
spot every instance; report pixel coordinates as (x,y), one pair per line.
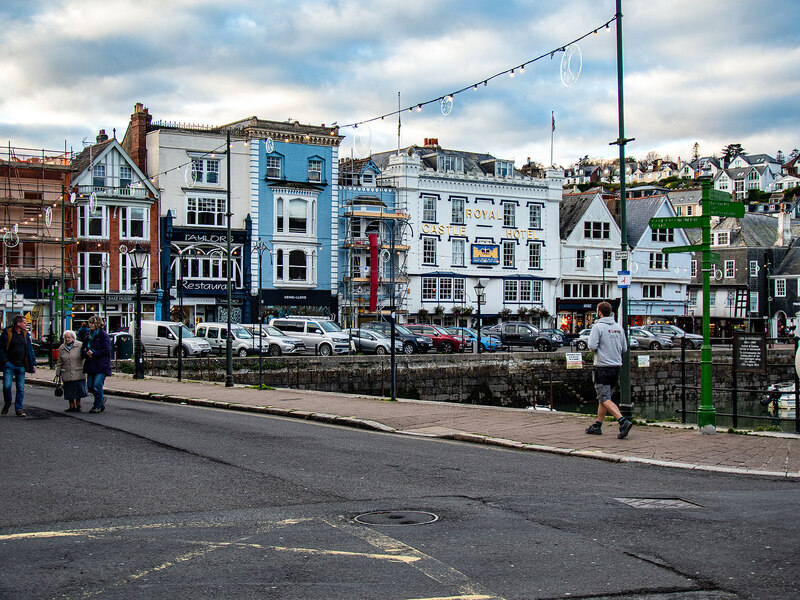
(123,346)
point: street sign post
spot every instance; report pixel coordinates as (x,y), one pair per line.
(678,222)
(726,209)
(679,249)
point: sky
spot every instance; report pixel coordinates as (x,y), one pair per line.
(711,73)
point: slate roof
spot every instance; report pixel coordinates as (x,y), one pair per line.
(572,209)
(81,162)
(474,163)
(790,265)
(639,211)
(685,196)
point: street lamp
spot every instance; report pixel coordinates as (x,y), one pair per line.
(138,256)
(481,295)
(104,266)
(260,246)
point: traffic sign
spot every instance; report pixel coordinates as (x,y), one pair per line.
(725,209)
(678,222)
(620,255)
(677,249)
(623,279)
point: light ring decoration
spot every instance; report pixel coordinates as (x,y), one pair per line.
(571,63)
(447,105)
(48,216)
(93,203)
(190,175)
(10,239)
(362,140)
(269,145)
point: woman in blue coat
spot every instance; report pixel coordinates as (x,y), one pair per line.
(97,366)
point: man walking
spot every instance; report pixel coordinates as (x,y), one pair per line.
(607,341)
(16,358)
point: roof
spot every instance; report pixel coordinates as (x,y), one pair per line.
(754,230)
(572,209)
(688,195)
(638,215)
(475,163)
(790,265)
(82,160)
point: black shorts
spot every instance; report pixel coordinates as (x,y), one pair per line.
(606,375)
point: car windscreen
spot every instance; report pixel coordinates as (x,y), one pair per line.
(330,326)
(186,333)
(402,330)
(242,333)
(270,330)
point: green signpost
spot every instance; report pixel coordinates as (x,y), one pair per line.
(714,203)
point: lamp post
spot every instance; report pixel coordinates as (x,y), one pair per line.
(228,214)
(104,265)
(138,256)
(179,290)
(260,246)
(481,296)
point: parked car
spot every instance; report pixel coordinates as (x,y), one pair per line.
(274,341)
(373,342)
(556,334)
(648,339)
(323,335)
(677,335)
(443,340)
(489,343)
(161,337)
(517,333)
(412,342)
(582,341)
(216,334)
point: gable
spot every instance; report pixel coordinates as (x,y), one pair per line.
(111,155)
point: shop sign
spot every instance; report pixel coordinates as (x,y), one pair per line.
(485,254)
(644,361)
(198,285)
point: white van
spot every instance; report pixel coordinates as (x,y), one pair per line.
(216,334)
(161,338)
(322,335)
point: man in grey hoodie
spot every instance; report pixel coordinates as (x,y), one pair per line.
(607,341)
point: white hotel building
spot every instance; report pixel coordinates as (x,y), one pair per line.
(475,217)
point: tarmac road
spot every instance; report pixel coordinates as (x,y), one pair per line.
(152,500)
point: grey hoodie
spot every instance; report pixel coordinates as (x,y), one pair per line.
(607,341)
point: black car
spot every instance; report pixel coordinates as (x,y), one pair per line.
(412,343)
(518,333)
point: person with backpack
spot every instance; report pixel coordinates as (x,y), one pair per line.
(16,359)
(97,365)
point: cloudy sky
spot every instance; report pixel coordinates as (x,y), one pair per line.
(708,72)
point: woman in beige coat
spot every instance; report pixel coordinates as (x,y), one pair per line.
(70,369)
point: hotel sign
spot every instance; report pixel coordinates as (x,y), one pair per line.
(485,254)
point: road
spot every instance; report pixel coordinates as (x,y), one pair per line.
(152,500)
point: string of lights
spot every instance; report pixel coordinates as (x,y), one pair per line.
(484,81)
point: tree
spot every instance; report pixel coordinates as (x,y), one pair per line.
(652,157)
(731,151)
(695,151)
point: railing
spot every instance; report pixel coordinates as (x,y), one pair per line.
(106,190)
(33,156)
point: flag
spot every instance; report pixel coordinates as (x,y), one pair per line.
(553,121)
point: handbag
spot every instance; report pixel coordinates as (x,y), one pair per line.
(59,391)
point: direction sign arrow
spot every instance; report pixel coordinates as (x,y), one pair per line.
(677,249)
(726,209)
(678,222)
(719,196)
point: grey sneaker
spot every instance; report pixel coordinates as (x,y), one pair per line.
(624,428)
(594,429)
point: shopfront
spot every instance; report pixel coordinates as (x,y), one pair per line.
(118,310)
(573,315)
(654,312)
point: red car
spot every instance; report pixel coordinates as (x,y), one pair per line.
(442,340)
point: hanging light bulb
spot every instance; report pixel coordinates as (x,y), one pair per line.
(512,73)
(475,87)
(419,107)
(522,69)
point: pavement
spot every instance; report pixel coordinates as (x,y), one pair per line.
(771,454)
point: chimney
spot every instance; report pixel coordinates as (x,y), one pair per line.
(140,119)
(784,228)
(431,142)
(102,137)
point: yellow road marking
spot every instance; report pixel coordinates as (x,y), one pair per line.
(470,597)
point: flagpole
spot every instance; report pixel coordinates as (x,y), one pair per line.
(552,133)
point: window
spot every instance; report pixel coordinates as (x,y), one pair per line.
(678,211)
(536,216)
(525,291)
(355,228)
(597,230)
(298,216)
(429,208)
(127,276)
(458,247)
(580,259)
(731,298)
(730,269)
(753,180)
(206,170)
(753,302)
(429,251)
(279,265)
(503,168)
(99,176)
(298,268)
(662,235)
(693,298)
(694,268)
(780,288)
(508,254)
(689,210)
(91,275)
(606,260)
(429,288)
(457,209)
(723,183)
(753,268)
(205,211)
(125,177)
(92,224)
(445,288)
(22,256)
(453,163)
(133,223)
(314,170)
(712,298)
(535,256)
(722,238)
(510,291)
(659,261)
(652,290)
(273,167)
(509,214)
(459,287)
(536,293)
(368,178)
(581,290)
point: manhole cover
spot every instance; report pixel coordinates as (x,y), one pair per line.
(656,503)
(396,518)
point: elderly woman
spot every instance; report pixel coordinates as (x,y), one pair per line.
(70,369)
(97,352)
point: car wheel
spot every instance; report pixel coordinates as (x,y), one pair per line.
(184,352)
(274,350)
(655,346)
(242,352)
(380,350)
(688,344)
(446,348)
(542,346)
(325,350)
(581,345)
(408,348)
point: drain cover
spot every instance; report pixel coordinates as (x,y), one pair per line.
(396,518)
(658,503)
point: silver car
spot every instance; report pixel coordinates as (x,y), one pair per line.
(648,339)
(373,342)
(274,342)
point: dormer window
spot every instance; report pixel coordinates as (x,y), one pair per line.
(723,238)
(450,162)
(503,168)
(368,178)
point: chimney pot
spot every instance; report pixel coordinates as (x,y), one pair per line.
(102,137)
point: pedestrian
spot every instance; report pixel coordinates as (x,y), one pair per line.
(607,341)
(83,332)
(97,352)
(70,369)
(16,358)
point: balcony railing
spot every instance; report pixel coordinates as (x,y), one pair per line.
(126,191)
